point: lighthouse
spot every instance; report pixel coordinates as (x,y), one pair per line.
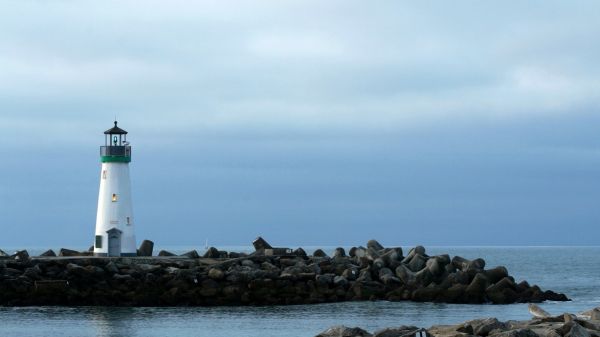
(115,235)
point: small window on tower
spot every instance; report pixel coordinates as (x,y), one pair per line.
(98,241)
(103,174)
(128,221)
(115,197)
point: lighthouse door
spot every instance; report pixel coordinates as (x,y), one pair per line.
(114,242)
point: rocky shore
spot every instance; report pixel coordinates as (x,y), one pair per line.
(544,325)
(267,276)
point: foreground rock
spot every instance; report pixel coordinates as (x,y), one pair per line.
(565,325)
(267,276)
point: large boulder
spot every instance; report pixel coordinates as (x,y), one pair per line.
(319,253)
(48,253)
(402,331)
(212,253)
(146,248)
(373,244)
(417,262)
(483,326)
(475,292)
(68,252)
(339,252)
(344,331)
(193,254)
(523,333)
(165,253)
(261,244)
(299,252)
(20,255)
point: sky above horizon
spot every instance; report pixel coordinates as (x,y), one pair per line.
(306,122)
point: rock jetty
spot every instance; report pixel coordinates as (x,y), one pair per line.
(270,275)
(566,325)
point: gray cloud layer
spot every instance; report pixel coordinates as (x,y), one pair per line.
(306,121)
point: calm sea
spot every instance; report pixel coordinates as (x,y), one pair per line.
(572,270)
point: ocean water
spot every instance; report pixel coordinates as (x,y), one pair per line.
(574,271)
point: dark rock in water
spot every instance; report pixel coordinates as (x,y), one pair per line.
(165,253)
(475,292)
(49,252)
(319,253)
(68,252)
(212,253)
(20,255)
(496,274)
(339,252)
(417,262)
(373,244)
(260,243)
(300,252)
(146,248)
(193,254)
(502,292)
(344,331)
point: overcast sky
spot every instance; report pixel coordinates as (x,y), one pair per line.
(307,122)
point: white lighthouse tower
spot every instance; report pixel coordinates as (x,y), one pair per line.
(115,235)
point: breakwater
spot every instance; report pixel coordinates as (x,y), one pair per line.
(268,276)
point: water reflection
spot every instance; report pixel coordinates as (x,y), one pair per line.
(111,322)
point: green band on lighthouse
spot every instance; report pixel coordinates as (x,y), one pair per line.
(115,159)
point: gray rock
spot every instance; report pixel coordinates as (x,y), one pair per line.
(111,268)
(299,252)
(373,244)
(165,253)
(3,253)
(350,274)
(476,289)
(577,331)
(434,267)
(68,252)
(146,248)
(340,281)
(417,262)
(360,252)
(319,253)
(212,253)
(339,252)
(147,268)
(193,254)
(517,333)
(595,314)
(496,274)
(344,331)
(482,327)
(402,331)
(49,252)
(325,279)
(216,274)
(20,255)
(406,275)
(261,243)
